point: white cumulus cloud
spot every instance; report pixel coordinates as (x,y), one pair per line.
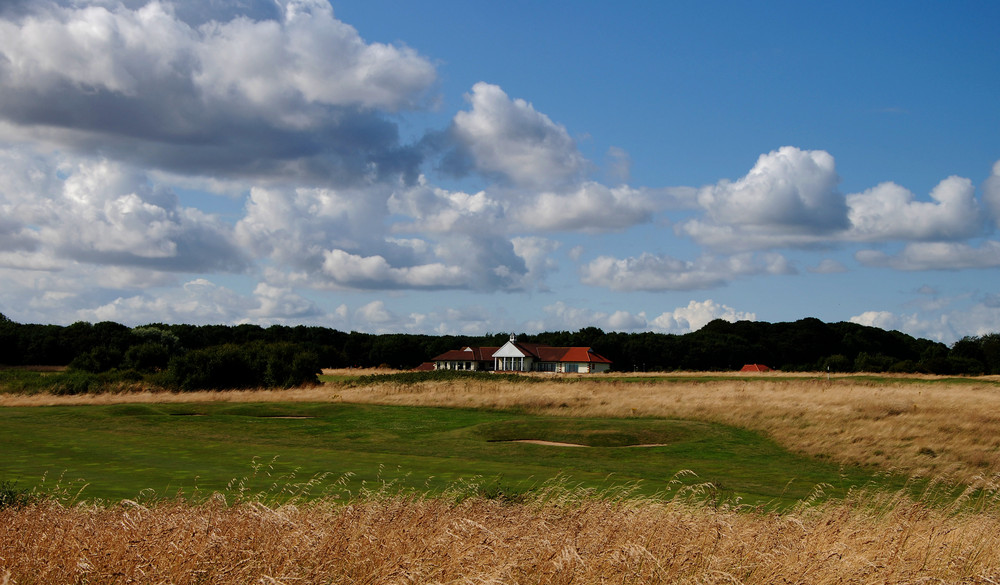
(890,212)
(199,301)
(589,207)
(298,96)
(696,315)
(935,256)
(438,210)
(310,55)
(509,138)
(789,197)
(654,272)
(562,317)
(98,211)
(375,272)
(295,226)
(281,303)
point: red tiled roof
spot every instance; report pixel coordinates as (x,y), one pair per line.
(583,354)
(471,354)
(545,353)
(569,354)
(755,368)
(528,348)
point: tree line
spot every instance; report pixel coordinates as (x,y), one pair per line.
(217,356)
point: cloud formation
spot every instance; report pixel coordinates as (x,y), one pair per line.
(511,140)
(560,316)
(589,207)
(935,256)
(101,212)
(652,272)
(342,239)
(297,97)
(789,197)
(890,212)
(696,315)
(375,272)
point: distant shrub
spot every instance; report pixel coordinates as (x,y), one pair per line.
(74,382)
(99,359)
(147,357)
(837,363)
(71,382)
(253,365)
(866,362)
(904,367)
(962,365)
(24,381)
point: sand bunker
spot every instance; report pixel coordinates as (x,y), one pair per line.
(291,417)
(548,443)
(558,444)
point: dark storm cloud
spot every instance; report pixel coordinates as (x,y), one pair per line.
(346,145)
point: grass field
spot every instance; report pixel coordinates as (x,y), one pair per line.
(122,450)
(926,426)
(394,509)
(759,436)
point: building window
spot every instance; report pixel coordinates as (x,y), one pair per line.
(571,368)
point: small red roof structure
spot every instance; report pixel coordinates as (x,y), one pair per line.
(755,368)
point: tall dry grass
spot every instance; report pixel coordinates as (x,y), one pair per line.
(866,539)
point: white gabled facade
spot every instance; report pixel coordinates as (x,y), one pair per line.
(511,358)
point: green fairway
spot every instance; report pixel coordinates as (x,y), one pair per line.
(121,451)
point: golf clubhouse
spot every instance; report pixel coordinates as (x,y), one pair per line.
(515,356)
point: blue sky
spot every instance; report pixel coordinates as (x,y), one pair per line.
(474,167)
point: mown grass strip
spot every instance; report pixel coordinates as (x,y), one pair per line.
(122,450)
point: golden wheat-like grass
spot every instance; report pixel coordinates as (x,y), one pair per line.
(869,538)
